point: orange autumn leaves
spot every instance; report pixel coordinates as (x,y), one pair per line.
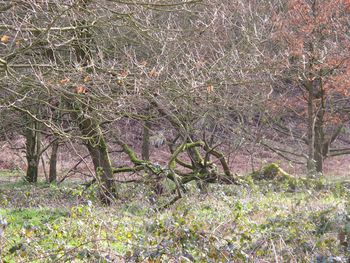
(314,48)
(79,89)
(64,81)
(315,34)
(124,73)
(308,22)
(121,79)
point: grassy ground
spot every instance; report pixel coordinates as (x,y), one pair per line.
(265,222)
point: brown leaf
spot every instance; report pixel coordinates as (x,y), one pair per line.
(123,73)
(87,79)
(153,73)
(5,39)
(80,90)
(64,81)
(210,88)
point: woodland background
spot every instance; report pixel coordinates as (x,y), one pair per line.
(172,97)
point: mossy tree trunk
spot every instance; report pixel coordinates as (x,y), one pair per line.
(33,150)
(146,140)
(89,126)
(97,147)
(53,162)
(203,170)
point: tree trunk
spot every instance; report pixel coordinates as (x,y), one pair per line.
(95,142)
(53,162)
(103,168)
(145,154)
(89,126)
(319,131)
(316,138)
(32,135)
(311,130)
(319,142)
(145,140)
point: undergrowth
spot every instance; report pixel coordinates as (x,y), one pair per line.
(263,221)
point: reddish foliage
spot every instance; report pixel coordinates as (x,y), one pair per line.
(314,35)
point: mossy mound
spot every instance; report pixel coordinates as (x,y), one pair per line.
(281,180)
(269,172)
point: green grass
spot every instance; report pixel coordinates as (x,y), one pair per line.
(11,173)
(248,223)
(35,217)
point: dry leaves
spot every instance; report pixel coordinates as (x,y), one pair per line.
(210,88)
(87,79)
(4,39)
(64,81)
(153,73)
(80,90)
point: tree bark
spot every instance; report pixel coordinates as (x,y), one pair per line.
(319,131)
(96,145)
(53,162)
(316,139)
(32,135)
(319,142)
(311,130)
(146,140)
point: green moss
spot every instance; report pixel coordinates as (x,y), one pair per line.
(284,181)
(271,171)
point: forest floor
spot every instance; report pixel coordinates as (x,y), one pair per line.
(265,221)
